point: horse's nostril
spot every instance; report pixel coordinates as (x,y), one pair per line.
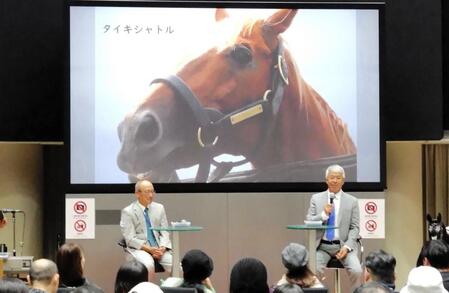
(148,130)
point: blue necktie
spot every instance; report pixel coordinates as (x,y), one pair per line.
(150,234)
(331,222)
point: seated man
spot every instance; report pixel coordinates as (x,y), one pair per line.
(145,244)
(43,276)
(436,254)
(337,208)
(379,267)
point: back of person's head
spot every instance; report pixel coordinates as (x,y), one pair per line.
(381,266)
(69,259)
(437,253)
(424,279)
(43,272)
(129,275)
(288,288)
(196,266)
(146,287)
(13,285)
(248,275)
(295,258)
(372,287)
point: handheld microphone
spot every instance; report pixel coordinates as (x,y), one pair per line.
(11,211)
(332,197)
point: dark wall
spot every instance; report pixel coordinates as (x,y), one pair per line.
(413,92)
(31,70)
(446,62)
(32,80)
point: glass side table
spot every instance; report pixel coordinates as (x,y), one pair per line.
(311,229)
(176,270)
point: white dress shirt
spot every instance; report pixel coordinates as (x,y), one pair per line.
(336,209)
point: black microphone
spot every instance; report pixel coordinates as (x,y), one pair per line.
(332,197)
(11,211)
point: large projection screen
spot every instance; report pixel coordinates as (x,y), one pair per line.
(124,126)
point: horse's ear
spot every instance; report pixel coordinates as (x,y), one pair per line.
(220,14)
(429,218)
(277,24)
(280,21)
(439,217)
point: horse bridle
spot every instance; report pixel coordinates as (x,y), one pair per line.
(211,121)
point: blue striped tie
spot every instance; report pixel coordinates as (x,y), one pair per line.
(150,234)
(331,222)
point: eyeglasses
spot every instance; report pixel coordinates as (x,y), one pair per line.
(147,191)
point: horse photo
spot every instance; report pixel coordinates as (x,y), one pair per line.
(245,98)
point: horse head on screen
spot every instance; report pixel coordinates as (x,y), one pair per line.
(436,228)
(245,98)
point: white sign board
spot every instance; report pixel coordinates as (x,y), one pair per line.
(80,218)
(372,218)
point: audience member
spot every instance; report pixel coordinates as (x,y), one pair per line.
(197,267)
(129,275)
(70,260)
(424,279)
(43,276)
(146,287)
(373,287)
(2,220)
(295,259)
(13,285)
(248,275)
(379,267)
(435,253)
(288,288)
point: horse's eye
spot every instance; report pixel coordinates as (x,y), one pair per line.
(241,54)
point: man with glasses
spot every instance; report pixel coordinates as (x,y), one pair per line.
(143,243)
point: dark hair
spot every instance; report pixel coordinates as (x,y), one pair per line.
(372,287)
(437,252)
(299,273)
(13,285)
(196,266)
(288,288)
(129,275)
(68,259)
(381,265)
(249,275)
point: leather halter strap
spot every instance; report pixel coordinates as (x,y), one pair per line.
(269,104)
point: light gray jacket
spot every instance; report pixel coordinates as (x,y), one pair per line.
(134,229)
(348,218)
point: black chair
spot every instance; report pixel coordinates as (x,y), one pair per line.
(335,264)
(315,290)
(179,290)
(158,268)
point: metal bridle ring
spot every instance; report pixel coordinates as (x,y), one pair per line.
(200,141)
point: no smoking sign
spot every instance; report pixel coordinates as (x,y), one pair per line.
(80,218)
(372,218)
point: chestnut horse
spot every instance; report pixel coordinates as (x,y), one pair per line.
(246,98)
